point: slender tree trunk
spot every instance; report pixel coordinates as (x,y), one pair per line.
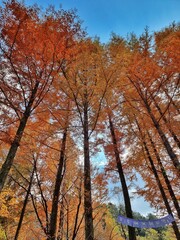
(59,177)
(168,184)
(44,204)
(17,139)
(124,232)
(75,230)
(76,219)
(44,228)
(170,99)
(89,231)
(164,139)
(129,214)
(61,220)
(25,203)
(174,225)
(162,135)
(166,122)
(67,221)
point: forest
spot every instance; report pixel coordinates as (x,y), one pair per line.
(66,98)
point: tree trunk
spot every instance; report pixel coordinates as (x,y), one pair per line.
(75,231)
(17,139)
(175,227)
(166,122)
(131,230)
(89,231)
(67,222)
(25,203)
(164,139)
(170,99)
(59,177)
(61,220)
(76,220)
(168,184)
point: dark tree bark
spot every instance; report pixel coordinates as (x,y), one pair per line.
(164,139)
(129,214)
(162,135)
(89,231)
(168,184)
(170,99)
(25,203)
(76,226)
(59,177)
(174,225)
(61,223)
(61,216)
(67,219)
(44,228)
(17,139)
(166,122)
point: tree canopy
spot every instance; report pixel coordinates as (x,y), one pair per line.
(65,97)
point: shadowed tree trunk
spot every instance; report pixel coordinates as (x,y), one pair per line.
(25,203)
(162,135)
(17,139)
(129,214)
(153,168)
(166,122)
(89,231)
(168,184)
(164,139)
(61,217)
(76,226)
(170,99)
(174,225)
(59,177)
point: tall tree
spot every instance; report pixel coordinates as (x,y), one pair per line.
(31,58)
(129,214)
(144,74)
(87,89)
(58,180)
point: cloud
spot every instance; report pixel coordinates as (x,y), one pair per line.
(141,206)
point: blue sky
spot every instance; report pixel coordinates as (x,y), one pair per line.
(138,203)
(101,17)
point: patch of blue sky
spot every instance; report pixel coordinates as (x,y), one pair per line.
(138,203)
(115,191)
(101,18)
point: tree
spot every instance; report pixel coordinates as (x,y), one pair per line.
(87,89)
(146,149)
(114,102)
(129,214)
(58,181)
(31,58)
(144,74)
